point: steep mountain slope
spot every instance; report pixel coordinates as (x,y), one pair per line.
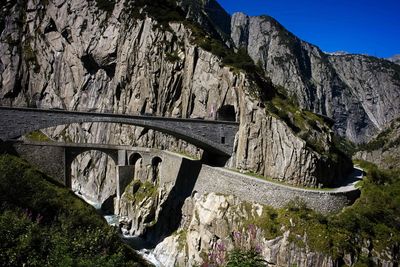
(395,59)
(144,56)
(130,57)
(361,93)
(384,149)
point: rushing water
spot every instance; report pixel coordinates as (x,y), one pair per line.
(135,242)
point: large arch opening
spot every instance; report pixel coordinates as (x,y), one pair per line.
(93,177)
(155,169)
(226,113)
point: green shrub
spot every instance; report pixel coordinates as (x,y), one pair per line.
(172,57)
(43,224)
(38,136)
(245,258)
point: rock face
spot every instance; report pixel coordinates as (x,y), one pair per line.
(73,55)
(95,184)
(210,15)
(211,219)
(361,93)
(82,55)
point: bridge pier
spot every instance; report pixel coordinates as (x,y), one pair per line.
(51,160)
(124,177)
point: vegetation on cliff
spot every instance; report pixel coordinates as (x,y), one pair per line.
(385,140)
(371,224)
(168,11)
(364,234)
(44,224)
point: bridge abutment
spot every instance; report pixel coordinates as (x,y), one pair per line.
(124,177)
(49,159)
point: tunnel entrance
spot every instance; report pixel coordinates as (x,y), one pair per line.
(226,113)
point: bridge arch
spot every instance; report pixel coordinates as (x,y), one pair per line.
(215,137)
(139,170)
(82,177)
(155,169)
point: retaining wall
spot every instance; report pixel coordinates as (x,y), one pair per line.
(260,191)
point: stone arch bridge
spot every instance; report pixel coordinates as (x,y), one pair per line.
(214,137)
(55,159)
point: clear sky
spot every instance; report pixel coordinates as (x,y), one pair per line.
(356,26)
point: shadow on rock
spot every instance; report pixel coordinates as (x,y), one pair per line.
(170,215)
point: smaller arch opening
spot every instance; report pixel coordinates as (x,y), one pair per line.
(155,169)
(134,158)
(226,113)
(136,161)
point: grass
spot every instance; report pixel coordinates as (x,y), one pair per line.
(45,224)
(172,57)
(300,121)
(375,217)
(30,56)
(38,136)
(182,236)
(383,140)
(138,191)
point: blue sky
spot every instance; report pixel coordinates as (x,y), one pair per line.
(356,26)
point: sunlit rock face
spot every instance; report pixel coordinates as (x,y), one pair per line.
(70,54)
(73,55)
(210,220)
(361,93)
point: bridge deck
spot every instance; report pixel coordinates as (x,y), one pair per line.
(216,137)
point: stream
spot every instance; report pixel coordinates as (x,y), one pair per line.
(135,242)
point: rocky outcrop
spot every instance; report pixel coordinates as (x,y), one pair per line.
(210,15)
(216,219)
(211,219)
(139,207)
(360,93)
(73,55)
(94,183)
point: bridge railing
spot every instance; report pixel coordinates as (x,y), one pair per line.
(79,109)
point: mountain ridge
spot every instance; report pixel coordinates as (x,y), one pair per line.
(323,83)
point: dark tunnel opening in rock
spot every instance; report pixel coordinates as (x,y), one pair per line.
(226,113)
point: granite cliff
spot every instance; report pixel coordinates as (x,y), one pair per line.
(361,93)
(152,57)
(81,55)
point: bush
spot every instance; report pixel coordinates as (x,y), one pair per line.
(43,224)
(245,258)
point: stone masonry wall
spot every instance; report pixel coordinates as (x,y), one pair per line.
(260,191)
